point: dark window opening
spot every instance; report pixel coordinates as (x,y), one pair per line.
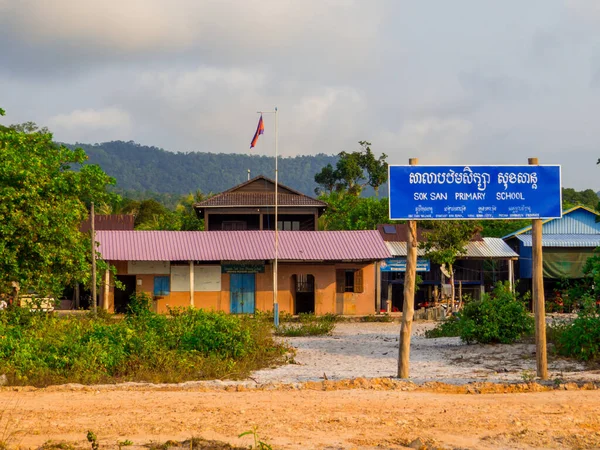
(288,225)
(233,225)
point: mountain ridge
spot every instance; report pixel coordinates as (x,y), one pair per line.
(142,168)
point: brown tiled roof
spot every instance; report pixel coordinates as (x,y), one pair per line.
(109,222)
(259,199)
(232,198)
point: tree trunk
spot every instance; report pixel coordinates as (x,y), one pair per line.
(452,293)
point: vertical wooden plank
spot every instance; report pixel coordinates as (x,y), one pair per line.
(511,275)
(408,309)
(377,287)
(93,233)
(106,290)
(192,284)
(537,282)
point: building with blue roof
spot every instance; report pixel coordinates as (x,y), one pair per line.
(567,243)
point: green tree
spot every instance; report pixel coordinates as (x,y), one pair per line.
(326,179)
(572,198)
(349,212)
(353,172)
(43,204)
(376,168)
(445,241)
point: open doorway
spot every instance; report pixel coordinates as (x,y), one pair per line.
(122,295)
(304,294)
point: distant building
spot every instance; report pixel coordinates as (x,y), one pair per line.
(232,271)
(486,261)
(567,243)
(251,206)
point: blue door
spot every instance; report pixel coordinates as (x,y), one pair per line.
(242,293)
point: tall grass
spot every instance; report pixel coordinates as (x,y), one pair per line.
(188,344)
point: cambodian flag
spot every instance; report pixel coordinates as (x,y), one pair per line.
(260,129)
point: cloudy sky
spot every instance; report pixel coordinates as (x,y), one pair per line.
(450,82)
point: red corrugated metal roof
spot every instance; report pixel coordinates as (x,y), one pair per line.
(240,245)
(109,222)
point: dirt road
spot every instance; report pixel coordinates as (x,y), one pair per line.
(381,414)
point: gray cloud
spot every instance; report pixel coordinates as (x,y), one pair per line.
(464,82)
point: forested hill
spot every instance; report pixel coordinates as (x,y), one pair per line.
(150,169)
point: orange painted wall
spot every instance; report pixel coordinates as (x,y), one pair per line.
(326,298)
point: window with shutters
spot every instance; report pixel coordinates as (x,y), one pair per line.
(349,280)
(161,286)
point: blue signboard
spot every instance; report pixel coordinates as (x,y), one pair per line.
(474,192)
(399,265)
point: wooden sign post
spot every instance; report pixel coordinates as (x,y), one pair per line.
(537,280)
(408,308)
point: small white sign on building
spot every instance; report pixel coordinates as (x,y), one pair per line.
(206,278)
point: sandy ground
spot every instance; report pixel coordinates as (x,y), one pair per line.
(371,350)
(294,407)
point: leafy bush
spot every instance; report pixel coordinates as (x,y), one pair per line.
(308,325)
(451,327)
(581,338)
(42,349)
(377,318)
(140,304)
(499,317)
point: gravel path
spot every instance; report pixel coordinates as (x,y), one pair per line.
(371,350)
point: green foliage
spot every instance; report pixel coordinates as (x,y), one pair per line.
(190,344)
(349,212)
(579,339)
(353,172)
(499,317)
(571,198)
(308,325)
(258,443)
(140,304)
(450,327)
(93,440)
(446,240)
(43,203)
(377,318)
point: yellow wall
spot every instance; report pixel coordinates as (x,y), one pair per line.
(326,298)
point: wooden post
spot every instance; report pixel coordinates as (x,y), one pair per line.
(511,275)
(377,287)
(537,282)
(192,284)
(93,232)
(106,291)
(408,309)
(77,296)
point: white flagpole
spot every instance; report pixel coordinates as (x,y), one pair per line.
(276,260)
(275,303)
